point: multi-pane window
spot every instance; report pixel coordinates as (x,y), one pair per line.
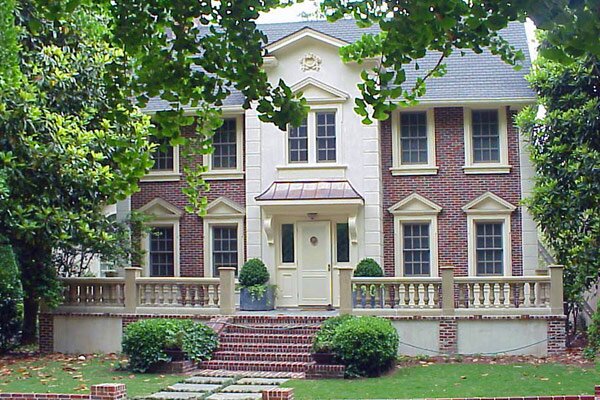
(489,250)
(325,136)
(342,243)
(416,252)
(287,243)
(162,251)
(224,248)
(225,145)
(162,155)
(298,142)
(486,136)
(413,138)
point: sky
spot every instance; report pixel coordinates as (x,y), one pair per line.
(292,13)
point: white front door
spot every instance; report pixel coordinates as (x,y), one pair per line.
(314,263)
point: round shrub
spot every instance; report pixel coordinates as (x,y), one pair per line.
(368,267)
(144,341)
(11,296)
(323,341)
(366,345)
(253,273)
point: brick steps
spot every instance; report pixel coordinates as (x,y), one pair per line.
(265,338)
(266,347)
(290,329)
(278,319)
(261,356)
(271,366)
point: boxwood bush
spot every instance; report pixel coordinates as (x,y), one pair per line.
(366,345)
(144,341)
(253,273)
(367,267)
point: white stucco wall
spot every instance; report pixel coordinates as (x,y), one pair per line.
(424,334)
(486,336)
(86,335)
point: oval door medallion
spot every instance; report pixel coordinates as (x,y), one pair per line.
(314,240)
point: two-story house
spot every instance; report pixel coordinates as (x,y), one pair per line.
(438,184)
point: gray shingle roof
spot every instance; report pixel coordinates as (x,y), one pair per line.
(470,77)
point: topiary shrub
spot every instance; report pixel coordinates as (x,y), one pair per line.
(144,341)
(253,273)
(368,267)
(11,297)
(366,345)
(323,341)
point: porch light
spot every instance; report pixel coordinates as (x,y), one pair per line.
(311,216)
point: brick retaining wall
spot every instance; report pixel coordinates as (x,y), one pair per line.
(105,391)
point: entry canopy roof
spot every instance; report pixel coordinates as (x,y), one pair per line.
(310,190)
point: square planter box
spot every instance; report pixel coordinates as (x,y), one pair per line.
(250,303)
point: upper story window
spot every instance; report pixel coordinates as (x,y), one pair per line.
(166,162)
(315,139)
(225,146)
(298,142)
(226,160)
(413,143)
(325,136)
(486,141)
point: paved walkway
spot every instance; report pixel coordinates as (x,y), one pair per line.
(224,385)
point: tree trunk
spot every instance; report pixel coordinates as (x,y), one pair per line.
(30,317)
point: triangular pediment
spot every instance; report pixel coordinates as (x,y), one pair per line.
(303,34)
(317,91)
(489,203)
(160,208)
(224,207)
(415,204)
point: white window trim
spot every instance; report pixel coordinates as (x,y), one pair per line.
(471,167)
(311,122)
(208,224)
(230,173)
(165,175)
(413,169)
(415,208)
(506,235)
(399,221)
(176,248)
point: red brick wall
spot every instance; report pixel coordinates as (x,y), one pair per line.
(105,391)
(451,189)
(190,225)
(46,333)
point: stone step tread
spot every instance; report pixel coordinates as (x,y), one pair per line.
(235,396)
(261,381)
(265,338)
(261,356)
(177,395)
(287,366)
(220,380)
(247,388)
(194,387)
(248,374)
(271,331)
(290,347)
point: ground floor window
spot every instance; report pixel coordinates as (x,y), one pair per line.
(162,251)
(489,248)
(224,247)
(416,249)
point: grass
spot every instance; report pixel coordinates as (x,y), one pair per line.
(64,374)
(457,380)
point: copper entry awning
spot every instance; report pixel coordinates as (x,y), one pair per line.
(310,190)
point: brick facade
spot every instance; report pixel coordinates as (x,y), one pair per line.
(105,391)
(556,336)
(451,189)
(448,338)
(191,230)
(46,333)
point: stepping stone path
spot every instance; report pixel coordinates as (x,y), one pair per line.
(231,385)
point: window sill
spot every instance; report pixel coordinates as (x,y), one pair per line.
(414,170)
(223,175)
(487,169)
(166,176)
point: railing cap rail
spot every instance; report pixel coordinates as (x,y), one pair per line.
(396,279)
(501,279)
(91,279)
(176,280)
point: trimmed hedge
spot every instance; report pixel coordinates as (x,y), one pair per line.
(367,346)
(367,267)
(144,341)
(11,297)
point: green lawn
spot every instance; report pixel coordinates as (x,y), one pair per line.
(60,374)
(457,380)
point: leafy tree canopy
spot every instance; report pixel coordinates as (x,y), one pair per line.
(565,149)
